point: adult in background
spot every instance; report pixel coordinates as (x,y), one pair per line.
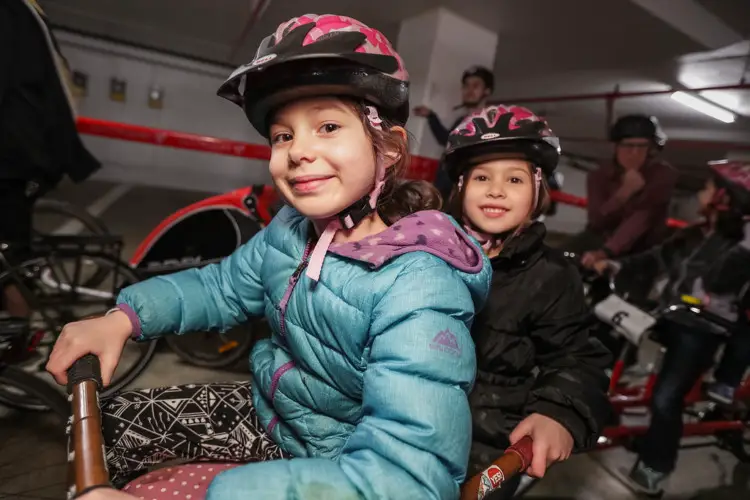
(477,83)
(628,199)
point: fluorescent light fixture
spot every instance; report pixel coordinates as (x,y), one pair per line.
(704,107)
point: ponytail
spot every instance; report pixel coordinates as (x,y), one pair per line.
(399,197)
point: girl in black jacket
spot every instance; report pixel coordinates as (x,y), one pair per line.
(539,371)
(711,261)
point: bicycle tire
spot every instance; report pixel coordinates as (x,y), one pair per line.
(37,389)
(146,353)
(92,224)
(57,207)
(181,345)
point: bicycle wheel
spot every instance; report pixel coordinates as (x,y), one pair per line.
(75,219)
(37,435)
(17,381)
(67,218)
(55,302)
(216,350)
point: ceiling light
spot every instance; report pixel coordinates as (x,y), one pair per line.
(704,107)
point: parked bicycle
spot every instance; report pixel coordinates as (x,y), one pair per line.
(56,284)
(174,245)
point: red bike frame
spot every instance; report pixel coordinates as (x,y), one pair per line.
(623,398)
(252,201)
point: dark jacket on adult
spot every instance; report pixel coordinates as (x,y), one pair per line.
(635,224)
(38,137)
(534,352)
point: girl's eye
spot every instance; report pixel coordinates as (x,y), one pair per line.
(481,178)
(329,128)
(281,137)
(516,180)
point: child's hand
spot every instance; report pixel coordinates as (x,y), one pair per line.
(104,337)
(605,266)
(589,259)
(106,494)
(552,442)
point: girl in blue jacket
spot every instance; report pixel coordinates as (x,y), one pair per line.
(362,390)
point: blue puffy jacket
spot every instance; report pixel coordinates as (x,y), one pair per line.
(366,377)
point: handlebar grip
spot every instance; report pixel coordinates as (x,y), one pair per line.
(525,450)
(85,368)
(516,459)
(86,453)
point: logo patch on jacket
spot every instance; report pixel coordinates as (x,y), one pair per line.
(446,341)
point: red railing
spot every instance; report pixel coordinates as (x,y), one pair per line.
(420,168)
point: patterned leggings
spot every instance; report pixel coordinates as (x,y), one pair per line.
(214,421)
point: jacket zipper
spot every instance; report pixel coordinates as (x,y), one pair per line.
(292,283)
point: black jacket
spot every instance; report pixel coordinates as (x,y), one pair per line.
(536,320)
(38,137)
(691,253)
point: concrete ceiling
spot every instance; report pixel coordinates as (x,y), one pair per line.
(546,48)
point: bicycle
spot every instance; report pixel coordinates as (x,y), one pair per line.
(46,429)
(54,283)
(728,424)
(232,219)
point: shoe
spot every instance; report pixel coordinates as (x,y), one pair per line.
(721,393)
(646,480)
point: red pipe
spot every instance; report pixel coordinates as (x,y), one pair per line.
(679,143)
(420,167)
(614,95)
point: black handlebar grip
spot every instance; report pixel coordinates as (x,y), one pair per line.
(86,368)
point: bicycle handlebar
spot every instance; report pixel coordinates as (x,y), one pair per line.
(87,465)
(516,459)
(701,313)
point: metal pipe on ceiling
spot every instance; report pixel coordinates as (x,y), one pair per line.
(675,143)
(614,95)
(258,10)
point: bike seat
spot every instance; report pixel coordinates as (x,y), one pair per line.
(184,482)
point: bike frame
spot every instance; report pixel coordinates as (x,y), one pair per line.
(624,398)
(253,202)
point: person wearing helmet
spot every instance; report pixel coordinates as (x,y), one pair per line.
(477,83)
(709,260)
(362,391)
(628,200)
(535,318)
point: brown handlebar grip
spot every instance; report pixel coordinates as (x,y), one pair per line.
(86,456)
(515,459)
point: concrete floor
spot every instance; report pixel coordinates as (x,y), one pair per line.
(32,446)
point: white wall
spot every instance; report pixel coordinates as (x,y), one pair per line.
(190,105)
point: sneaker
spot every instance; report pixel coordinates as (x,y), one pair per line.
(721,393)
(646,480)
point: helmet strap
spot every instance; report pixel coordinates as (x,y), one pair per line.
(354,213)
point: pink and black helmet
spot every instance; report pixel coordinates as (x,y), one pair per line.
(315,55)
(502,129)
(733,177)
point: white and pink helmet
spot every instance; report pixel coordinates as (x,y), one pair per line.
(320,55)
(502,129)
(733,178)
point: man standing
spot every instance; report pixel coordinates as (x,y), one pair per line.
(477,83)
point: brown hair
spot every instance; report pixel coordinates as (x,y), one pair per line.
(456,200)
(399,197)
